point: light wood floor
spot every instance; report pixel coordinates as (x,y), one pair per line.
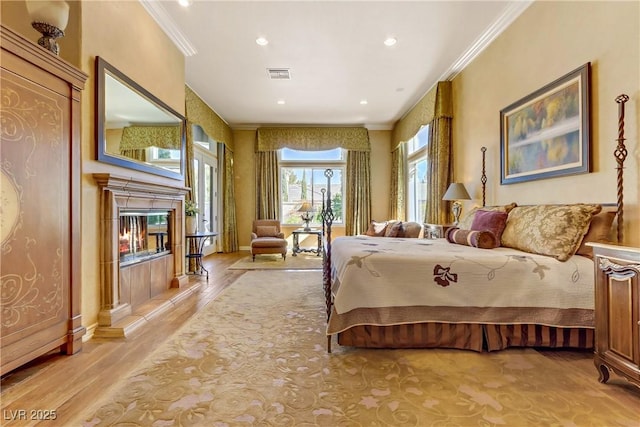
(68,384)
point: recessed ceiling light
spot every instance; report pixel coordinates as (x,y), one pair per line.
(364,102)
(262,41)
(390,41)
(280,101)
(185,3)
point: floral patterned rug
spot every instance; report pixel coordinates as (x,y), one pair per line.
(302,261)
(257,356)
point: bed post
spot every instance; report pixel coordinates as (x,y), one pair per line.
(483,178)
(327,222)
(620,154)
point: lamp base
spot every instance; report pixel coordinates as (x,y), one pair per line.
(456,209)
(49,36)
(306,218)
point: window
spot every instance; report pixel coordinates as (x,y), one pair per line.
(164,157)
(302,179)
(417,175)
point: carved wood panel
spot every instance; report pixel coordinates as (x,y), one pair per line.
(38,205)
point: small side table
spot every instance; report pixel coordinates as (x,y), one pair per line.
(436,231)
(296,242)
(198,241)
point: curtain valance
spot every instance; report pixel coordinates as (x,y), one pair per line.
(199,113)
(141,137)
(313,138)
(437,103)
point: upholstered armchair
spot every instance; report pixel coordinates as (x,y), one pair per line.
(266,238)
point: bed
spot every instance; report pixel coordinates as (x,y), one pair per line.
(420,293)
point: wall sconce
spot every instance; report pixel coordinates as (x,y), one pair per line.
(50,19)
(455,192)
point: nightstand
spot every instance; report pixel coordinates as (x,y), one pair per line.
(436,231)
(296,242)
(617,304)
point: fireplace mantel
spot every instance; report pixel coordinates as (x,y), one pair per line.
(120,312)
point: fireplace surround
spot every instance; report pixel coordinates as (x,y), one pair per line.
(142,267)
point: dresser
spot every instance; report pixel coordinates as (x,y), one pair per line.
(617,303)
(40,222)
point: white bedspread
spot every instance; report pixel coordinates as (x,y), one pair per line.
(372,272)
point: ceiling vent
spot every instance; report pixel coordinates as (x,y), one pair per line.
(279,73)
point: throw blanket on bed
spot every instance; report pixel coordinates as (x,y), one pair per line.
(392,280)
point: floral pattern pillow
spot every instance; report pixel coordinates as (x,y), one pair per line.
(553,230)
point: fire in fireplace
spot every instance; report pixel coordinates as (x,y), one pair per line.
(144,234)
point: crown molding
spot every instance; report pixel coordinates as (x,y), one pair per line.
(160,15)
(509,15)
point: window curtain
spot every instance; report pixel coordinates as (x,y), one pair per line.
(188,167)
(397,207)
(267,185)
(136,154)
(136,139)
(358,188)
(354,139)
(188,182)
(439,158)
(229,225)
(435,109)
(311,139)
(198,112)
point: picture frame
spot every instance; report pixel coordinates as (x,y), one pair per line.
(547,133)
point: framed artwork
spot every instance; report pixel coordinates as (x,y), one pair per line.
(547,133)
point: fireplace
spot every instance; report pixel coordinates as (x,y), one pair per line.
(142,261)
(143,235)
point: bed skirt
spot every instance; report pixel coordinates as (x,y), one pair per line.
(465,336)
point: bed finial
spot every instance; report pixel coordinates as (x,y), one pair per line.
(483,179)
(620,154)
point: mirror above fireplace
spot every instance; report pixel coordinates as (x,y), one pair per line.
(134,129)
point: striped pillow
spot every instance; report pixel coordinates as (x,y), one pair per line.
(482,239)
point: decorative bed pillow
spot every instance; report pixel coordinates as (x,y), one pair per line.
(266,231)
(411,229)
(376,229)
(394,229)
(478,239)
(467,220)
(599,231)
(553,230)
(493,221)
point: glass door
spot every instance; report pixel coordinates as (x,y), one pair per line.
(205,176)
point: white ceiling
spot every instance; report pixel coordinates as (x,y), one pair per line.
(334,50)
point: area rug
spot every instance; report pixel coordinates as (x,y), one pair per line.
(257,356)
(301,261)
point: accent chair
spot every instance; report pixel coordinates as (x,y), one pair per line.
(266,238)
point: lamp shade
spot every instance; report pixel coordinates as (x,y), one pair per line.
(52,12)
(456,191)
(306,207)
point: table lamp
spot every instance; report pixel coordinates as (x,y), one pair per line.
(306,216)
(455,192)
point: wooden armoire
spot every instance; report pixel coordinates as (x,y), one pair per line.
(40,202)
